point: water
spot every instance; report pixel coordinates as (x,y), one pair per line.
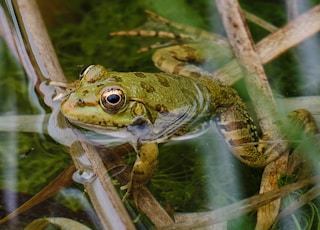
(196,175)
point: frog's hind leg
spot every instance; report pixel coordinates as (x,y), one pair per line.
(240,133)
(187,59)
(301,161)
(176,31)
(241,136)
(192,33)
(175,59)
(304,121)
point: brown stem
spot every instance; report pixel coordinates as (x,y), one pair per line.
(264,103)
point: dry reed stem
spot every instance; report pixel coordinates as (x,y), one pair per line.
(260,22)
(43,51)
(276,43)
(264,103)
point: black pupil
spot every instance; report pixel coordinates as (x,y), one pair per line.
(113,98)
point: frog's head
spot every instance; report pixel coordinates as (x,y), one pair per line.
(104,104)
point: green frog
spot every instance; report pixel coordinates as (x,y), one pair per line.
(145,109)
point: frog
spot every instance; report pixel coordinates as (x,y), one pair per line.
(146,109)
(182,102)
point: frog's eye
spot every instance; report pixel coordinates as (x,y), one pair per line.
(112,99)
(84,71)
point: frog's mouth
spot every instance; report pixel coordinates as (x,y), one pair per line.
(139,127)
(97,128)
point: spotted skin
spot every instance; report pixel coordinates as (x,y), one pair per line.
(159,107)
(152,114)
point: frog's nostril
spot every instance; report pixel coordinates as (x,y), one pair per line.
(80,102)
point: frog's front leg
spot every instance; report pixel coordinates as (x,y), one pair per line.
(143,169)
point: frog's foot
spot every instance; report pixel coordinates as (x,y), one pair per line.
(68,88)
(127,194)
(134,191)
(303,120)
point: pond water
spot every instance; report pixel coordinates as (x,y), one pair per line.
(193,175)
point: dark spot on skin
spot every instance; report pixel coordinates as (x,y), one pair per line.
(120,126)
(224,94)
(246,158)
(189,49)
(91,81)
(102,122)
(85,92)
(235,125)
(149,88)
(160,61)
(237,142)
(195,74)
(100,85)
(173,53)
(178,68)
(175,76)
(177,36)
(156,34)
(115,78)
(136,172)
(161,109)
(139,74)
(162,80)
